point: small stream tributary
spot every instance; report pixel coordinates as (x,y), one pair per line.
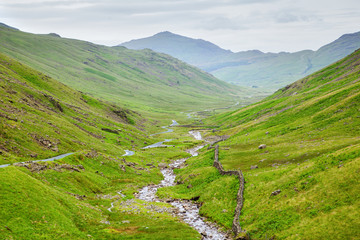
(158,144)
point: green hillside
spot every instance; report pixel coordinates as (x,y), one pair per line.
(134,79)
(69,198)
(41,117)
(312,155)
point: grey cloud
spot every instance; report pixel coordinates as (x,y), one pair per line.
(286,18)
(229,22)
(290,15)
(221,22)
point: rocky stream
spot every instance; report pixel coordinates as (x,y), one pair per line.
(187,210)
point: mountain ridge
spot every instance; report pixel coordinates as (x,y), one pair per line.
(243,68)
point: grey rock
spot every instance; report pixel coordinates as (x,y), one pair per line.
(277,192)
(262,146)
(162,165)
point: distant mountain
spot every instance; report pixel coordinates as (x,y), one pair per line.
(249,68)
(193,51)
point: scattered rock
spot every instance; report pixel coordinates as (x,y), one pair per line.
(110,130)
(277,192)
(204,235)
(254,167)
(45,142)
(105,222)
(267,133)
(130,164)
(122,167)
(340,166)
(8,228)
(179,182)
(262,160)
(36,167)
(33,155)
(189,186)
(162,165)
(262,146)
(91,154)
(80,197)
(195,198)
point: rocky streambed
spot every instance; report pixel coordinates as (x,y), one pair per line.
(187,210)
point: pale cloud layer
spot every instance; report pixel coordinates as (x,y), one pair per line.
(267,25)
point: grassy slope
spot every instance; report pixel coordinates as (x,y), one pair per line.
(312,156)
(269,73)
(41,204)
(36,108)
(136,79)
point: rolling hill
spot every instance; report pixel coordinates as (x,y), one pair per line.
(266,71)
(136,79)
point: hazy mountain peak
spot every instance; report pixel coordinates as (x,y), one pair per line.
(193,51)
(164,33)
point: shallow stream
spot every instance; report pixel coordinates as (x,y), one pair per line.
(187,210)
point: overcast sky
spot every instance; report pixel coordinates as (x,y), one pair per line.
(238,25)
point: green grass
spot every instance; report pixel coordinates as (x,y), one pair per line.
(37,111)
